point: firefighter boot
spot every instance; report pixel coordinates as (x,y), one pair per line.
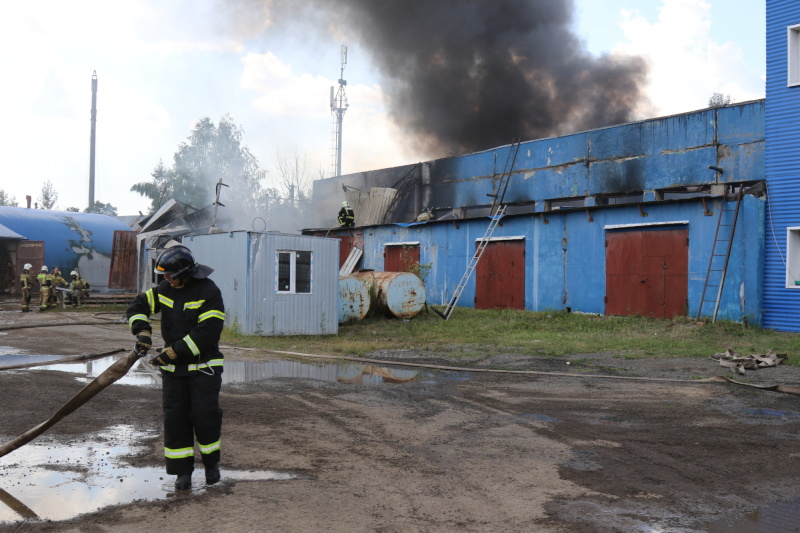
(184,482)
(212,474)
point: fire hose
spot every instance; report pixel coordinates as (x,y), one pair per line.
(106,378)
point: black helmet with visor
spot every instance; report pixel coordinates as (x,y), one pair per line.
(179,263)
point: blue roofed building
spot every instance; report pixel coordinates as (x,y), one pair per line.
(619,220)
(629,219)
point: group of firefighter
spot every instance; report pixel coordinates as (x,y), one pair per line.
(52,287)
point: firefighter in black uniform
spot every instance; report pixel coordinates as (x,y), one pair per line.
(192,317)
(346,216)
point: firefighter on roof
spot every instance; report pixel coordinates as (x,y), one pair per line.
(346,217)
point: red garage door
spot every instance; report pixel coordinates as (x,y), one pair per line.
(647,273)
(500,276)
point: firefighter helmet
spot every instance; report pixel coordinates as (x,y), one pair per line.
(27,266)
(44,268)
(179,263)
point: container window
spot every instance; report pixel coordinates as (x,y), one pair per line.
(303,272)
(284,271)
(294,272)
(793,55)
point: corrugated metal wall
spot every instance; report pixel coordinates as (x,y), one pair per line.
(245,266)
(227,254)
(781,304)
(564,249)
(565,257)
(654,154)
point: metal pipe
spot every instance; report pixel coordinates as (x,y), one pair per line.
(92,140)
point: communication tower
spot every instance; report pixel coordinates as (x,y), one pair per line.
(338,107)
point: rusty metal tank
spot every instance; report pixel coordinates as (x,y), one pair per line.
(399,294)
(354,299)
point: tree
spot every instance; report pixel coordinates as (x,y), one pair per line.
(212,152)
(719,100)
(155,190)
(73,210)
(7,199)
(290,167)
(101,208)
(49,196)
(289,205)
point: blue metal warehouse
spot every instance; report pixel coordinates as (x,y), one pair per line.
(595,213)
(618,220)
(782,264)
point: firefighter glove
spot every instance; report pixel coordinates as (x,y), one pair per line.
(143,341)
(164,356)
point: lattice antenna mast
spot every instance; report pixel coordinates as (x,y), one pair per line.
(338,107)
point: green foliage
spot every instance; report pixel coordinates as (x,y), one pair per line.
(101,208)
(210,153)
(73,210)
(48,197)
(7,199)
(421,270)
(719,100)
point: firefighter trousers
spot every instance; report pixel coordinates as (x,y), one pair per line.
(191,410)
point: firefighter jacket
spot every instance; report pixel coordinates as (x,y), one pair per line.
(58,280)
(45,280)
(346,217)
(25,281)
(192,319)
(78,284)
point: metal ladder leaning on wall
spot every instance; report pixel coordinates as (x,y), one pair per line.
(497,211)
(715,277)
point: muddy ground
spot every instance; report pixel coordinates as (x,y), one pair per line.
(456,451)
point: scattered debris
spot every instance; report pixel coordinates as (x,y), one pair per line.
(740,363)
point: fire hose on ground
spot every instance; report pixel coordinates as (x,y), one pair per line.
(106,378)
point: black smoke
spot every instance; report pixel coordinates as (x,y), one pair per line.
(466,75)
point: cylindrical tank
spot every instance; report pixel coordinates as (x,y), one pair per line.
(353,299)
(71,241)
(400,294)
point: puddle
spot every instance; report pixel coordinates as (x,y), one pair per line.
(532,416)
(235,371)
(539,417)
(9,351)
(48,481)
(774,518)
(771,413)
(582,460)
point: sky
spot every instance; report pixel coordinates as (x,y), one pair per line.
(161,66)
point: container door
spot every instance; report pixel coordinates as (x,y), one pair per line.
(500,276)
(345,246)
(123,261)
(400,258)
(28,252)
(647,273)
